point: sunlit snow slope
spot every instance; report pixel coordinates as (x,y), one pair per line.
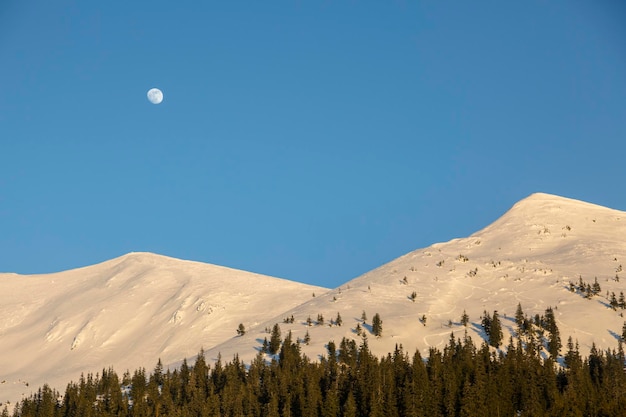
(528,256)
(130,311)
(126,312)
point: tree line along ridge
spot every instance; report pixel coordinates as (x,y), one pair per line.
(463,379)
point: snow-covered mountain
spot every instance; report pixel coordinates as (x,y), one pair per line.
(126,312)
(130,311)
(528,256)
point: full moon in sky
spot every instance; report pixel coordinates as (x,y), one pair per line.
(155,96)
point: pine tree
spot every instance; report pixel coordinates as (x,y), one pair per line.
(275,341)
(241,330)
(495,331)
(554,342)
(572,357)
(486,322)
(332,349)
(595,289)
(138,392)
(330,404)
(377,325)
(464,319)
(519,318)
(363,317)
(338,320)
(349,406)
(289,354)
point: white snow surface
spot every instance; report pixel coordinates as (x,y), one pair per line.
(527,256)
(132,310)
(127,313)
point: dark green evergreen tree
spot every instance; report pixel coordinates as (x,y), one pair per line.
(485,322)
(338,320)
(138,393)
(572,358)
(519,318)
(464,319)
(495,330)
(332,349)
(377,325)
(554,341)
(349,406)
(595,288)
(275,340)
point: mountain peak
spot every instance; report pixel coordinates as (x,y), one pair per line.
(529,256)
(550,211)
(127,312)
(539,201)
(147,256)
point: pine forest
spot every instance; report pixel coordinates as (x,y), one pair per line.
(525,377)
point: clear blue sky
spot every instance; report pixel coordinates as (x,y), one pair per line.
(310,140)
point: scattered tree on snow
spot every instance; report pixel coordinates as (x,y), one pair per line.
(377,325)
(464,319)
(275,340)
(338,320)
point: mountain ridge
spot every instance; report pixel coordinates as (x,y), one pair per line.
(131,310)
(516,259)
(126,312)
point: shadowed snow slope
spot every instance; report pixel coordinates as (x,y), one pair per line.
(130,311)
(126,312)
(528,256)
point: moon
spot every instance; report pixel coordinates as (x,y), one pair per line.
(155,96)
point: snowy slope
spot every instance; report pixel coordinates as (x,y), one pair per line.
(528,256)
(129,311)
(126,312)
